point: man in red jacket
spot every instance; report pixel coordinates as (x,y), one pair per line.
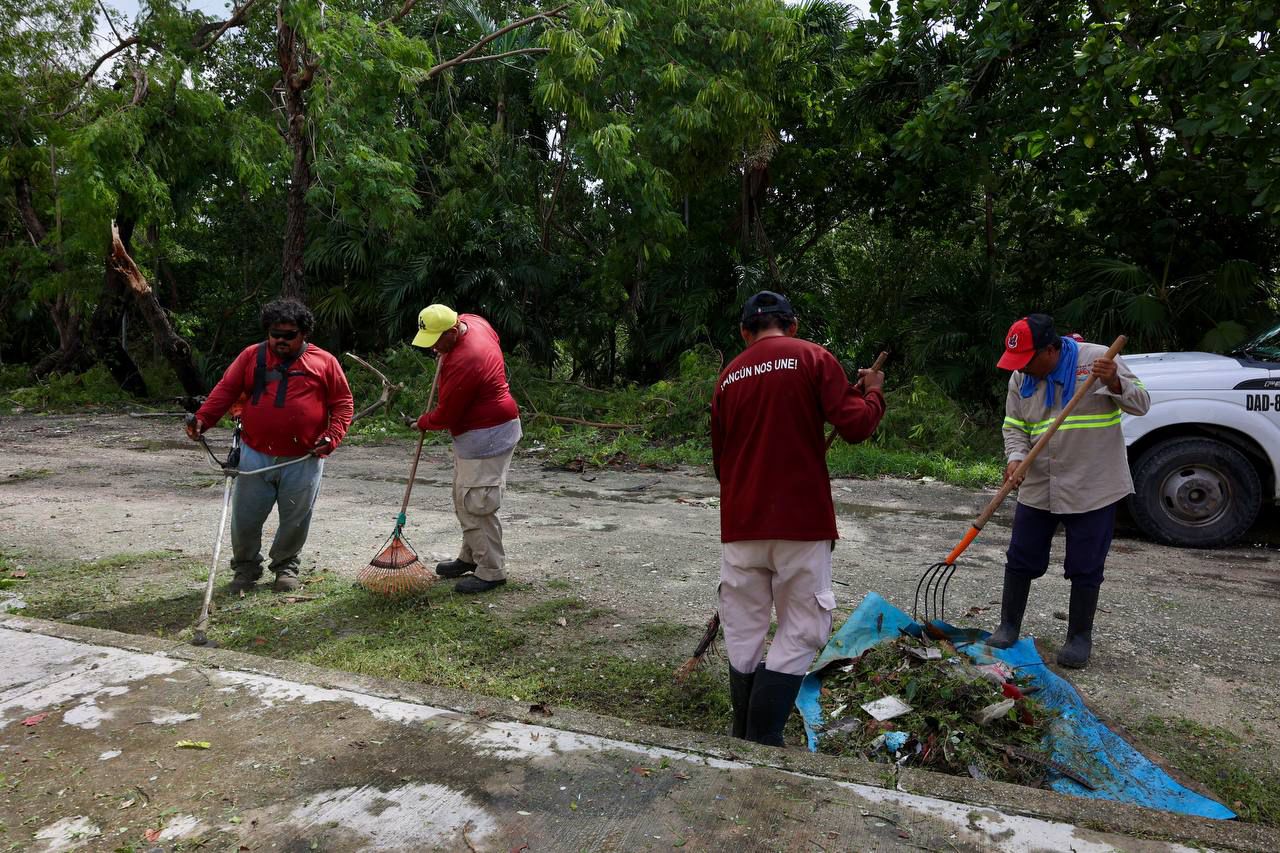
(296,402)
(777,520)
(475,405)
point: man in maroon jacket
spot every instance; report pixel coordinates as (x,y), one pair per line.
(475,405)
(777,520)
(296,402)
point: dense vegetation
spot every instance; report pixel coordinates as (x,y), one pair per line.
(607,180)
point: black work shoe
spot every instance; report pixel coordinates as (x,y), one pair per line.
(454,568)
(773,695)
(474,584)
(285,583)
(1013,606)
(1075,652)
(242,583)
(740,698)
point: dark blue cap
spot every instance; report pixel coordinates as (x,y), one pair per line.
(767,302)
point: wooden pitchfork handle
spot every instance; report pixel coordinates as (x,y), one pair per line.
(876,365)
(422,435)
(1025,465)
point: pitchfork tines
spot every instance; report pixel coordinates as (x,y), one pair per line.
(933,586)
(931,591)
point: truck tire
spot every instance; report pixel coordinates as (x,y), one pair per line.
(1195,493)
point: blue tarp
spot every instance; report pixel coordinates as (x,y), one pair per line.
(1077,738)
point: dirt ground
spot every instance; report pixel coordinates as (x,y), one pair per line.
(1183,635)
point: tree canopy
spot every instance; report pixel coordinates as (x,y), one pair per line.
(607,181)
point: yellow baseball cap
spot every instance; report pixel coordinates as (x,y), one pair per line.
(434,321)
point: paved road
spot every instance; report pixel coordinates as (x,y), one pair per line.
(103,746)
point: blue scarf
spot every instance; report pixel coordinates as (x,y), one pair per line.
(1064,374)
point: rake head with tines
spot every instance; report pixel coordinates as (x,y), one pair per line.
(396,570)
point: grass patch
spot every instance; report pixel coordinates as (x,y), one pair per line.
(549,611)
(26,475)
(506,644)
(924,432)
(869,461)
(1239,772)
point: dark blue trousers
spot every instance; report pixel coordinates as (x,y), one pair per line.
(1088,541)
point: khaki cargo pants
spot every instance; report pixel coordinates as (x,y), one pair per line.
(478,486)
(762,575)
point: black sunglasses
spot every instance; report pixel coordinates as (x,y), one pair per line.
(284,336)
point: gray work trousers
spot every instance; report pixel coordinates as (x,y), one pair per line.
(478,487)
(293,490)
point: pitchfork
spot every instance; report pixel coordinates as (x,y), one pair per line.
(933,583)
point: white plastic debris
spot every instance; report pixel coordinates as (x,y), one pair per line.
(886,708)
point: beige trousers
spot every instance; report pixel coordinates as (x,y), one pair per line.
(478,486)
(761,575)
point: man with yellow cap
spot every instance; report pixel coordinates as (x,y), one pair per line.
(475,405)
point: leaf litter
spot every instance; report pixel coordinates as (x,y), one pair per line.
(948,714)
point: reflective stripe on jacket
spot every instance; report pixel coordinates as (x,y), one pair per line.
(1084,467)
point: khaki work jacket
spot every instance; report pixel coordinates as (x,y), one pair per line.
(1084,467)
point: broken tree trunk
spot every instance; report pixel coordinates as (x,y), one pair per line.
(176,350)
(106,326)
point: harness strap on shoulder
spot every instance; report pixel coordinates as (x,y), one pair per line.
(279,375)
(260,375)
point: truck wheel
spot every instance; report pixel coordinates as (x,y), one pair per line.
(1195,492)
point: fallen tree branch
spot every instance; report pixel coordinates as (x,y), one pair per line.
(567,420)
(175,348)
(389,388)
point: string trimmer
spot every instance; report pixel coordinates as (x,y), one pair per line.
(200,636)
(230,470)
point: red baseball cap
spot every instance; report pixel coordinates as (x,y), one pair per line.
(1033,332)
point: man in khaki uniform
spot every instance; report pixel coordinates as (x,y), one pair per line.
(1078,479)
(477,408)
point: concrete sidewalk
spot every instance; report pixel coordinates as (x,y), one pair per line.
(93,726)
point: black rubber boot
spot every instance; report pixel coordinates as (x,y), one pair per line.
(1013,605)
(773,695)
(454,568)
(471,585)
(740,697)
(1084,604)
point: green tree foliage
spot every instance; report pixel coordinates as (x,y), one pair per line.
(608,180)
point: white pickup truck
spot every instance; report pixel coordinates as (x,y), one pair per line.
(1207,455)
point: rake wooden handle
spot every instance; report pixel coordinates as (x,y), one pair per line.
(422,435)
(876,365)
(1025,465)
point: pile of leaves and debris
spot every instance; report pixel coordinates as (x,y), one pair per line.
(920,703)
